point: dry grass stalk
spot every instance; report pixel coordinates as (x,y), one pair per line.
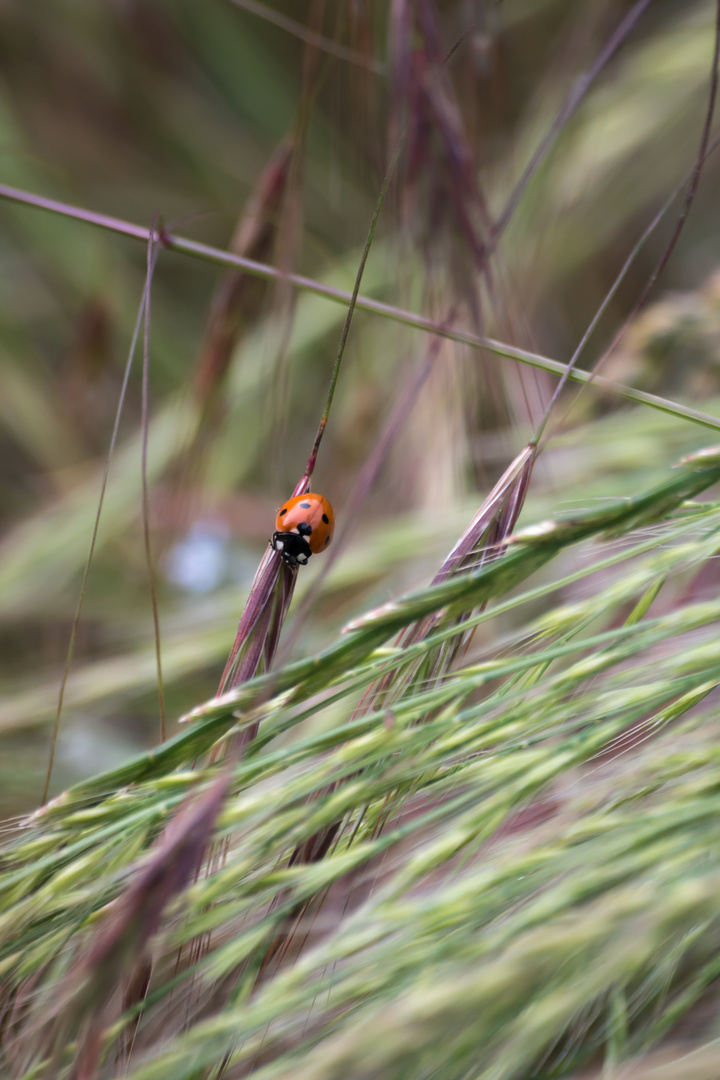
(88,1000)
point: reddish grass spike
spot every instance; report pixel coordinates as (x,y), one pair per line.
(259,629)
(439,170)
(482,541)
(87,1002)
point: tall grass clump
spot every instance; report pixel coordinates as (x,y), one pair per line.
(451,810)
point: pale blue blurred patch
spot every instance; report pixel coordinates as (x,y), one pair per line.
(199,562)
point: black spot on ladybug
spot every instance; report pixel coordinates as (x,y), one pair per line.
(304,529)
(327,541)
(283,511)
(305,505)
(326,519)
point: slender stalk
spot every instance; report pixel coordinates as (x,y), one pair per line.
(145,424)
(566,110)
(351,308)
(700,161)
(96,525)
(703,153)
(706,148)
(364,483)
(310,37)
(194,249)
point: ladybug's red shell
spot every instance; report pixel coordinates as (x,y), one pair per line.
(303,527)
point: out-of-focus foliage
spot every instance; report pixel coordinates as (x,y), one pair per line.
(524,875)
(522,854)
(130,109)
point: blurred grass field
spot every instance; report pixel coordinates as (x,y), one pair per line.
(519,876)
(132,110)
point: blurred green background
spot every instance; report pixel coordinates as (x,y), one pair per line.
(178,108)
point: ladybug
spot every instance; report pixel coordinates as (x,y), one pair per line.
(303,527)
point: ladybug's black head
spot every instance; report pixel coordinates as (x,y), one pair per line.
(292,548)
